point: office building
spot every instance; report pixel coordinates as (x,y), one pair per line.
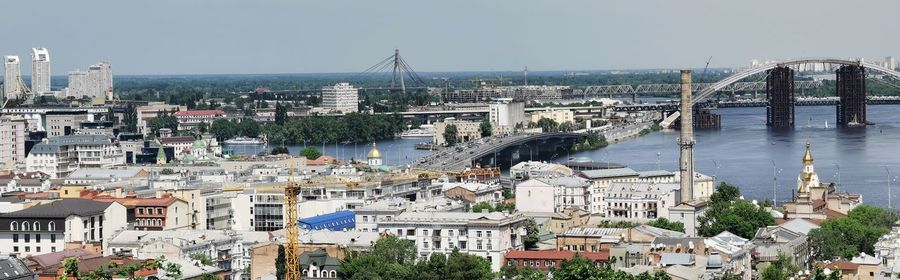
(40,70)
(341,97)
(12,74)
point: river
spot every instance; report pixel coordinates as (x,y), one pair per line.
(743,149)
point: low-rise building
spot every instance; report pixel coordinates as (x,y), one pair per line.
(550,260)
(163,213)
(553,194)
(465,131)
(473,192)
(557,115)
(589,239)
(49,227)
(60,156)
(788,238)
(368,216)
(190,119)
(534,169)
(488,235)
(601,179)
(735,252)
(639,201)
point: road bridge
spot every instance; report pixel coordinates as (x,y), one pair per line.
(501,151)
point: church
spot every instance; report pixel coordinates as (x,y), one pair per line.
(815,200)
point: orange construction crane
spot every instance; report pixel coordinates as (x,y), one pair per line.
(291,249)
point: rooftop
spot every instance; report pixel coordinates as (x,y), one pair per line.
(556,255)
(609,173)
(199,113)
(61,208)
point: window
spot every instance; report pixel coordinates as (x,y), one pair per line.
(488,234)
(365,219)
(53,249)
(37,249)
(489,245)
(51,226)
(27,249)
(15,237)
(478,244)
(27,238)
(14,226)
(141,211)
(37,226)
(53,238)
(15,248)
(478,234)
(37,238)
(26,226)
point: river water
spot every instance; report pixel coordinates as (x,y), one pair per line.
(744,150)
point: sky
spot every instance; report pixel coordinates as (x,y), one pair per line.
(300,36)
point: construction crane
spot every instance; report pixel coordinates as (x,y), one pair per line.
(707,66)
(291,249)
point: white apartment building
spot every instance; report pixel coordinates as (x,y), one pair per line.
(488,235)
(553,194)
(40,70)
(465,130)
(533,169)
(12,74)
(383,210)
(602,178)
(47,228)
(12,142)
(60,156)
(341,97)
(96,82)
(640,201)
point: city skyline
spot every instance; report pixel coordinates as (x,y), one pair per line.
(274,37)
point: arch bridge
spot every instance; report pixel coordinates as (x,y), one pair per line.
(501,151)
(780,86)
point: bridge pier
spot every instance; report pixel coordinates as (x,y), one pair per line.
(851,89)
(780,96)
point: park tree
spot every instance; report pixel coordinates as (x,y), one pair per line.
(848,236)
(224,129)
(451,135)
(532,234)
(280,114)
(280,262)
(780,269)
(727,212)
(547,125)
(249,128)
(280,150)
(465,266)
(130,120)
(163,120)
(310,153)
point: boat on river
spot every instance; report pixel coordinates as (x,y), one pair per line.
(244,141)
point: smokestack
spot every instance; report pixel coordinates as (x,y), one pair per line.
(686,166)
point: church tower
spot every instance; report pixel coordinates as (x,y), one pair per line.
(807,178)
(374,156)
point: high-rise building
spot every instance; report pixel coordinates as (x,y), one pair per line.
(93,83)
(12,141)
(890,63)
(40,70)
(13,72)
(341,97)
(507,113)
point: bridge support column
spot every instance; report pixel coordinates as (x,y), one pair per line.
(780,97)
(851,89)
(686,163)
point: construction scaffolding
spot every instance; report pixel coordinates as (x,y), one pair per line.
(780,96)
(851,89)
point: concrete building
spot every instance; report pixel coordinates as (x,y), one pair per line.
(639,201)
(49,227)
(163,213)
(488,235)
(553,194)
(12,73)
(789,238)
(12,142)
(190,119)
(601,179)
(382,210)
(341,97)
(94,83)
(473,192)
(60,156)
(589,239)
(505,114)
(550,260)
(152,110)
(558,115)
(61,123)
(465,131)
(40,70)
(735,252)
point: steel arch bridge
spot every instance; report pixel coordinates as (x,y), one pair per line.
(733,79)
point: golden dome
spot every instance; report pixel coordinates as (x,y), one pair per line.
(374,153)
(807,157)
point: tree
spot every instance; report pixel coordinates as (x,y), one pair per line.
(531,234)
(203,127)
(780,269)
(451,135)
(848,236)
(729,213)
(71,267)
(664,223)
(167,171)
(280,261)
(173,270)
(163,120)
(249,128)
(481,206)
(280,114)
(485,128)
(310,153)
(465,266)
(521,273)
(130,119)
(202,258)
(547,125)
(208,276)
(390,258)
(280,150)
(224,129)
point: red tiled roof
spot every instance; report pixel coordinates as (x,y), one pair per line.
(51,259)
(199,112)
(130,202)
(322,160)
(842,265)
(818,203)
(556,255)
(831,214)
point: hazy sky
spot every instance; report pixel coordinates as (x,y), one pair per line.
(266,36)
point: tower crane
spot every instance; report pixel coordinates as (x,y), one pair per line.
(291,249)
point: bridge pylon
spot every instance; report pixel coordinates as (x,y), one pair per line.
(851,89)
(780,97)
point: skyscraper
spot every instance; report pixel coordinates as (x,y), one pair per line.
(11,78)
(40,70)
(93,83)
(341,97)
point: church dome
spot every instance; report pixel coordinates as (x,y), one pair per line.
(374,153)
(807,157)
